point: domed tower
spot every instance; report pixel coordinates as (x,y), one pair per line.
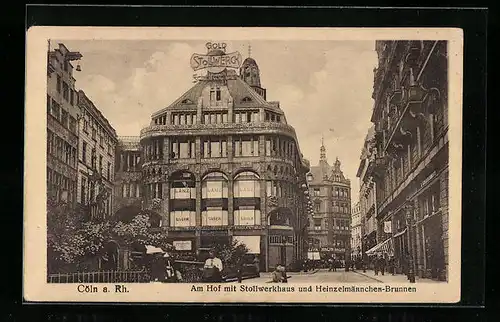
(249,72)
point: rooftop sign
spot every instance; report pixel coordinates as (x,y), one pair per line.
(216,59)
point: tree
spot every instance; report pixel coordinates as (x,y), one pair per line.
(231,254)
(75,240)
(71,239)
(139,231)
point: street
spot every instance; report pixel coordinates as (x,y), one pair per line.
(318,276)
(340,276)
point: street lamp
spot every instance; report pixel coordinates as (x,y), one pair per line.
(409,209)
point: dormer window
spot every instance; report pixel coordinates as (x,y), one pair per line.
(187,101)
(215,95)
(246,99)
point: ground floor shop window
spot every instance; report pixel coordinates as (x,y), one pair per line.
(214,216)
(246,216)
(182,218)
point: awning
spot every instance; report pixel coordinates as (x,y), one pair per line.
(313,255)
(251,242)
(384,247)
(153,250)
(400,233)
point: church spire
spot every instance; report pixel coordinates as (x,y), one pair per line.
(322,156)
(249,50)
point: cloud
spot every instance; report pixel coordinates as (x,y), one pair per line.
(100,83)
(320,85)
(159,78)
(340,99)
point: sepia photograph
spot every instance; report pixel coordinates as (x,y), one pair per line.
(243,164)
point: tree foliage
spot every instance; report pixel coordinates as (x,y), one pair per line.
(73,239)
(231,254)
(139,231)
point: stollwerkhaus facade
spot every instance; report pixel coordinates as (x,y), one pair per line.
(222,163)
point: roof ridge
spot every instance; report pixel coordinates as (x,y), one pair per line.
(255,95)
(179,99)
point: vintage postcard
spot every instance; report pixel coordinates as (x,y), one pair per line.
(264,165)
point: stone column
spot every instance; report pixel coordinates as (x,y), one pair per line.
(262,115)
(166,150)
(197,152)
(230,151)
(230,201)
(168,115)
(262,151)
(165,210)
(263,210)
(198,202)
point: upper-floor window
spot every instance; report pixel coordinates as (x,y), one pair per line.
(84,152)
(317,191)
(72,124)
(100,164)
(246,146)
(64,118)
(214,147)
(246,185)
(215,94)
(94,159)
(59,85)
(182,148)
(66,91)
(317,223)
(56,110)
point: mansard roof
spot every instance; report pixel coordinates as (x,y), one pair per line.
(242,94)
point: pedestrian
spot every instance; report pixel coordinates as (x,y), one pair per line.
(157,268)
(279,274)
(382,264)
(331,263)
(392,265)
(239,270)
(256,262)
(170,275)
(376,264)
(212,270)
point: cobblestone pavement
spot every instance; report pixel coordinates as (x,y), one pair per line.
(340,276)
(317,276)
(397,278)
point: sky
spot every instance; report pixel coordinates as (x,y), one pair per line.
(324,87)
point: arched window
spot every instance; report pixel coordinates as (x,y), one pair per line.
(214,189)
(246,191)
(182,200)
(280,217)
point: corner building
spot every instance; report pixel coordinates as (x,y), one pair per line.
(410,154)
(62,132)
(221,163)
(329,229)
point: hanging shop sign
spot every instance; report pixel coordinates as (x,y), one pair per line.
(182,245)
(388,227)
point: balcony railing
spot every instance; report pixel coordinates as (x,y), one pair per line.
(207,129)
(412,103)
